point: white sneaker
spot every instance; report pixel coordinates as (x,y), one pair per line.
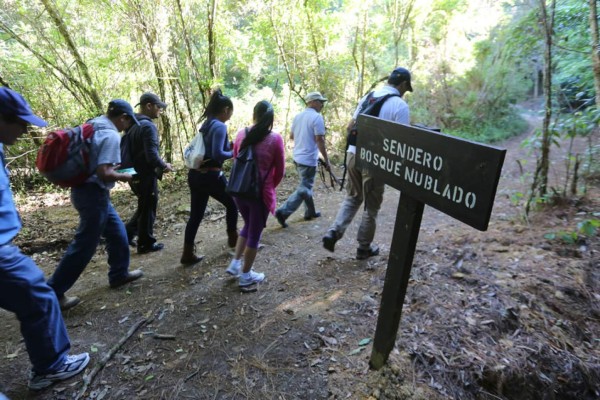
(250,278)
(234,267)
(73,365)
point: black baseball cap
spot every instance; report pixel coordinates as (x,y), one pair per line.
(151,98)
(124,107)
(400,75)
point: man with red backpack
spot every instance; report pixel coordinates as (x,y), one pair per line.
(361,185)
(141,142)
(97,216)
(23,289)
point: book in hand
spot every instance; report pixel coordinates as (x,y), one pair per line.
(130,171)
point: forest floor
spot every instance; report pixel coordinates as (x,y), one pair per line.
(510,313)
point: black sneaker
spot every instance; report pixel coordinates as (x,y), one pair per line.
(329,240)
(317,214)
(73,365)
(362,254)
(281,219)
(150,249)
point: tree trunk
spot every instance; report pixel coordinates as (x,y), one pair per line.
(204,91)
(90,91)
(547,22)
(150,38)
(212,45)
(595,47)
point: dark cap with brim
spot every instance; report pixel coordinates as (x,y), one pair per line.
(12,103)
(400,75)
(124,107)
(151,98)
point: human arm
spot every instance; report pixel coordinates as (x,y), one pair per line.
(219,146)
(278,160)
(323,149)
(150,143)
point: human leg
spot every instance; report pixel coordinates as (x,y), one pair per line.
(302,194)
(91,202)
(349,207)
(23,290)
(118,250)
(132,225)
(257,218)
(147,203)
(198,201)
(373,190)
(235,265)
(231,211)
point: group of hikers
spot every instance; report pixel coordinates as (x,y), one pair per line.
(38,303)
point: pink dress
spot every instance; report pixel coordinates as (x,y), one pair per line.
(271,163)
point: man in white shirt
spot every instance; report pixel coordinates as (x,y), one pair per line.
(308,134)
(361,185)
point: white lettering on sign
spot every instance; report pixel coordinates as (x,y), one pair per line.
(412,154)
(406,155)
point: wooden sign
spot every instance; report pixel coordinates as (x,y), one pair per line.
(456,176)
(453,175)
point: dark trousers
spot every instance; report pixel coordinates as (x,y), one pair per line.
(202,186)
(142,222)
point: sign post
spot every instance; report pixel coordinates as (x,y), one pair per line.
(456,176)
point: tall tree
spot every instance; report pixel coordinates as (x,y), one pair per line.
(595,47)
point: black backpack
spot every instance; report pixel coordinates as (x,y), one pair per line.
(127,150)
(370,106)
(244,180)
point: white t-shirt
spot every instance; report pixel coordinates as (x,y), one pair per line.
(306,126)
(394,109)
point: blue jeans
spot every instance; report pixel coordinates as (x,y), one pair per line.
(302,194)
(23,291)
(97,217)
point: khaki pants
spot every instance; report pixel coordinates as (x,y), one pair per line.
(361,187)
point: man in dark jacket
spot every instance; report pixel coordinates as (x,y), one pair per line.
(143,147)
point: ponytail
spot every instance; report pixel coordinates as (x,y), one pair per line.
(263,123)
(218,101)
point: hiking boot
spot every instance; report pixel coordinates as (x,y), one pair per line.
(234,267)
(329,240)
(362,254)
(281,219)
(73,365)
(130,277)
(250,278)
(317,214)
(148,249)
(66,302)
(188,257)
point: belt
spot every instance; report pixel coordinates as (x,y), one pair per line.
(205,170)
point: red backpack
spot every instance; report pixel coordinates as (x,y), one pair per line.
(64,158)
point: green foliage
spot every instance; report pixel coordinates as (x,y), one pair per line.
(471,60)
(585,229)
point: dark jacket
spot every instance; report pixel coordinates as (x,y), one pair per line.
(144,145)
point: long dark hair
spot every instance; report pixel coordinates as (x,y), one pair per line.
(218,101)
(263,118)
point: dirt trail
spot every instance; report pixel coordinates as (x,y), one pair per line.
(504,311)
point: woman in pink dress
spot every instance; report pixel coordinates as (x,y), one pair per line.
(269,151)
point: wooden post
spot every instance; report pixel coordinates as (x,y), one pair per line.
(404,242)
(456,176)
